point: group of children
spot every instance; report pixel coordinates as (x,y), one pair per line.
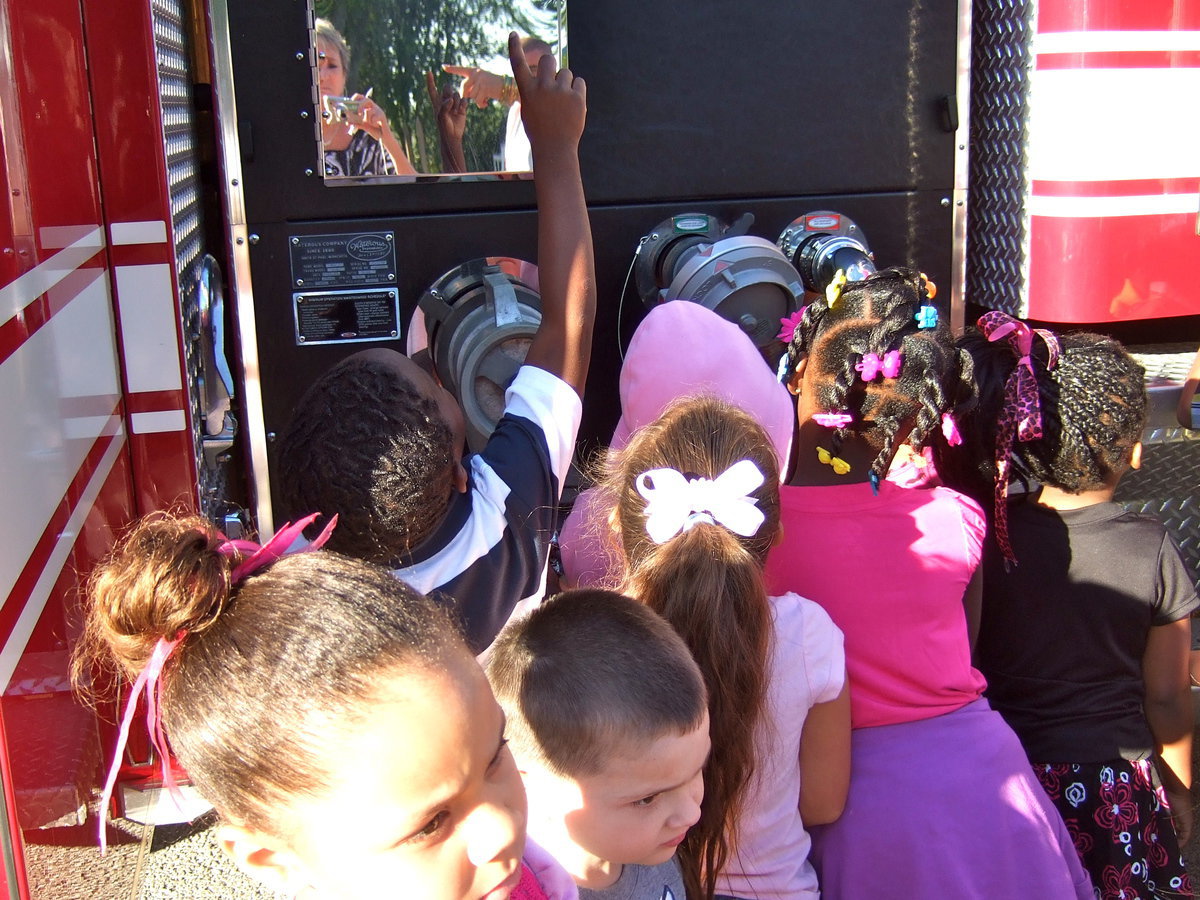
(768,678)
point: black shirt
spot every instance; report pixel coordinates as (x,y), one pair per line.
(1063,632)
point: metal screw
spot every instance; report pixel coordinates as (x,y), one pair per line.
(959,203)
(299,282)
(295,241)
(234,182)
(299,56)
(300,299)
(436,295)
(962,146)
(254,239)
(308,172)
(388,236)
(241,241)
(394,334)
(304,113)
(8,251)
(271,434)
(391,276)
(945,201)
(654,237)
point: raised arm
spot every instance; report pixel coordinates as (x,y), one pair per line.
(553,108)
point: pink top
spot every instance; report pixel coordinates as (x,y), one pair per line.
(807,667)
(891,572)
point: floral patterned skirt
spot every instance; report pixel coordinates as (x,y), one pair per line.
(1117,815)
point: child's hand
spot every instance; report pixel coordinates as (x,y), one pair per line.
(553,103)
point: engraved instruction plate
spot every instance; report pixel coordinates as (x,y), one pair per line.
(344,317)
(342,260)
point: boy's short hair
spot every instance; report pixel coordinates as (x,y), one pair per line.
(591,671)
(365,444)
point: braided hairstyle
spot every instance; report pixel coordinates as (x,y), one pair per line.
(365,444)
(1093,406)
(878,315)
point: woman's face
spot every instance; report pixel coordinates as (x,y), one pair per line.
(425,799)
(331,71)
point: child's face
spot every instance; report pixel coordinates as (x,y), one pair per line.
(426,800)
(638,809)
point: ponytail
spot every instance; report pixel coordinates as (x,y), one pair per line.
(255,656)
(707,582)
(710,588)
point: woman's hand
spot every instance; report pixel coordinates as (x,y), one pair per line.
(480,85)
(370,118)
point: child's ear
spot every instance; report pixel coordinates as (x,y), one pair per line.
(460,477)
(1135,456)
(263,859)
(793,384)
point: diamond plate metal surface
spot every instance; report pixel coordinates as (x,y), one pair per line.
(1167,486)
(997,234)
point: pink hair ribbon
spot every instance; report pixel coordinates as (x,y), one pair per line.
(950,430)
(675,503)
(1021,417)
(872,365)
(149,681)
(833,419)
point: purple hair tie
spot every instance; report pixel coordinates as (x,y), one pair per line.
(872,365)
(833,419)
(1021,417)
(149,681)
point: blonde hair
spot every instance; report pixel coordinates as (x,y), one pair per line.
(708,583)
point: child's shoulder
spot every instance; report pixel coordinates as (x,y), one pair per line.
(801,619)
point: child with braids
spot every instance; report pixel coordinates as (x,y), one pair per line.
(1085,631)
(941,801)
(695,498)
(333,716)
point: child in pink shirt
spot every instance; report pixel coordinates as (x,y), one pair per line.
(942,802)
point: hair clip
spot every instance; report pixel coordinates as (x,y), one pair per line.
(833,291)
(928,286)
(872,365)
(833,419)
(950,430)
(790,324)
(839,465)
(784,368)
(873,477)
(927,317)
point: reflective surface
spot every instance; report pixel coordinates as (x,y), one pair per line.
(391,75)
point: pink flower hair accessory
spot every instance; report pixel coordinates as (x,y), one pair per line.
(872,365)
(149,681)
(790,323)
(833,419)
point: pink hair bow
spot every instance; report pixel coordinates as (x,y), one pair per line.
(1021,417)
(790,324)
(833,419)
(872,365)
(149,681)
(675,503)
(277,546)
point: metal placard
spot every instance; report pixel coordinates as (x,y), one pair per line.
(346,317)
(343,260)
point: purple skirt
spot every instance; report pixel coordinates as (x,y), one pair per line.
(946,807)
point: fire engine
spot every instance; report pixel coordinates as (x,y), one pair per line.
(176,264)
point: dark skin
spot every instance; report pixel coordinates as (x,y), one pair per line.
(451,112)
(553,109)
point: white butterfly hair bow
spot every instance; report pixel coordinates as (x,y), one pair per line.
(675,503)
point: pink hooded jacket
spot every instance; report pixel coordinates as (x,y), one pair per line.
(680,349)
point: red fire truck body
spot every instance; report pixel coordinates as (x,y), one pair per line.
(116,125)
